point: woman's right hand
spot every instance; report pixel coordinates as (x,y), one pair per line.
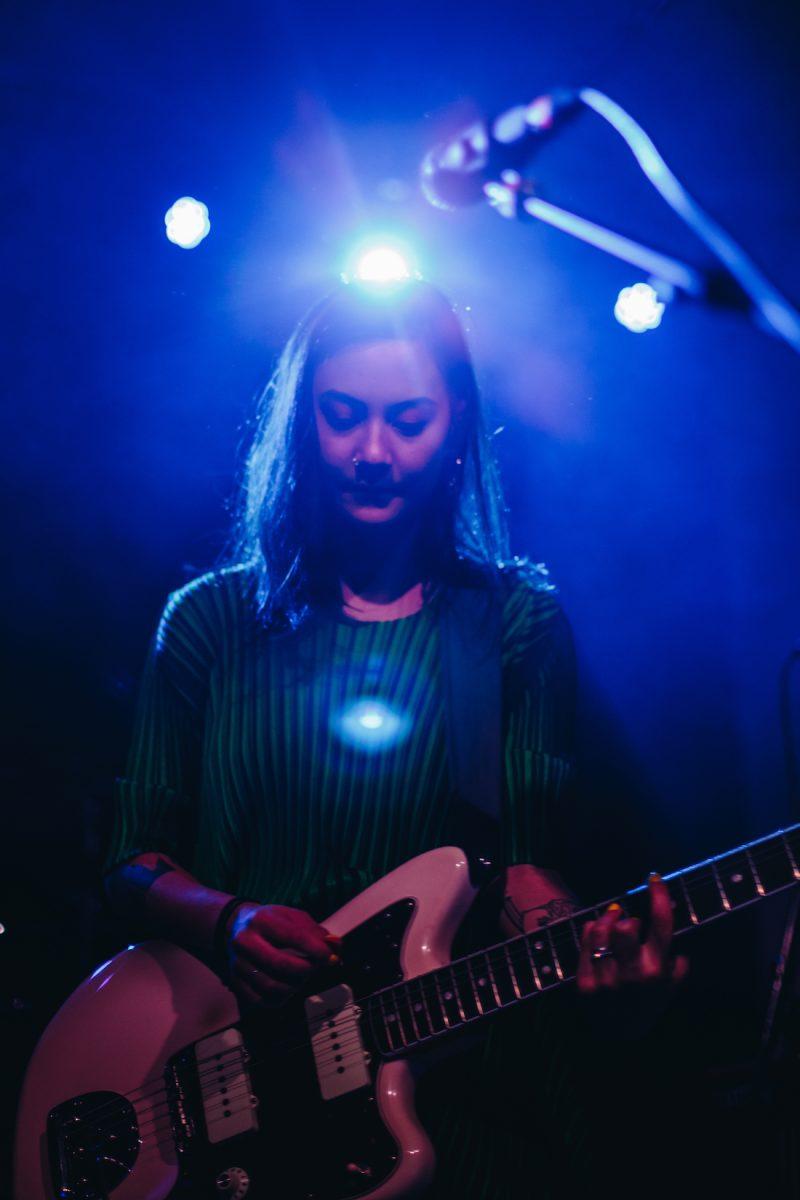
(273,951)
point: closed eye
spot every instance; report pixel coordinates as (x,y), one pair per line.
(410,428)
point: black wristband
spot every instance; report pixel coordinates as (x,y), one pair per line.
(221,927)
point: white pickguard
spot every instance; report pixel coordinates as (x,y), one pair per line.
(118,1029)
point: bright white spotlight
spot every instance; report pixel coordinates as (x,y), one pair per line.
(370,724)
(382,264)
(187,222)
(638,308)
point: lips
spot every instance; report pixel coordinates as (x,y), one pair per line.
(360,489)
(373,495)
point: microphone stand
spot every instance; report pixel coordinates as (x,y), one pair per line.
(513,198)
(454,174)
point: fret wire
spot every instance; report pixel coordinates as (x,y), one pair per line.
(512,973)
(425,1007)
(411,1011)
(492,981)
(399,1024)
(726,904)
(759,885)
(690,907)
(445,1017)
(574,932)
(788,849)
(534,971)
(386,1026)
(457,994)
(478,1001)
(559,972)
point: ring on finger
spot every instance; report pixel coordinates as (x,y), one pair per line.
(601,952)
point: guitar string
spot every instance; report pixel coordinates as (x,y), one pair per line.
(245,1084)
(405,1009)
(491,954)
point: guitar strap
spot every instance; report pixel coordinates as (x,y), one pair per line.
(471,638)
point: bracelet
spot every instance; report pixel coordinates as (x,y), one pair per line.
(221,927)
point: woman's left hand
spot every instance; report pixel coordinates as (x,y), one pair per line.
(613,953)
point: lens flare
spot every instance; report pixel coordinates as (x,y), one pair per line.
(638,308)
(187,222)
(380,264)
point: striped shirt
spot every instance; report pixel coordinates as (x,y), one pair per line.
(299,768)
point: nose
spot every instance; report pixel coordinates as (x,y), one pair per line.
(371,473)
(373,461)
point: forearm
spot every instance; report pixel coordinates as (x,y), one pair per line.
(154,889)
(533,896)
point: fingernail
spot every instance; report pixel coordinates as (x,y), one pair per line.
(614,907)
(334,960)
(654,877)
(333,938)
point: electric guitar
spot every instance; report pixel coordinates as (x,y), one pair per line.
(148,1084)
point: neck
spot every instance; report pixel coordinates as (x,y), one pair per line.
(378,566)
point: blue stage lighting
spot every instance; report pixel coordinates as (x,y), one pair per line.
(638,308)
(187,222)
(370,724)
(378,264)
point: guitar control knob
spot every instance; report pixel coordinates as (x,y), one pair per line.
(233,1184)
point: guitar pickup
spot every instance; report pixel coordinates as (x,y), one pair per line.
(229,1106)
(340,1057)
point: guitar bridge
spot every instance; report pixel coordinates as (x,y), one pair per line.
(93,1143)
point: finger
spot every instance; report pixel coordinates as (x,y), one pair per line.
(267,990)
(661,919)
(280,964)
(605,965)
(244,992)
(680,969)
(625,942)
(292,929)
(584,976)
(594,973)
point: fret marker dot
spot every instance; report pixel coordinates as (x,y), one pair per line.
(737,878)
(481,983)
(417,1007)
(546,970)
(538,945)
(448,995)
(391,1017)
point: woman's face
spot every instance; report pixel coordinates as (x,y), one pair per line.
(386,425)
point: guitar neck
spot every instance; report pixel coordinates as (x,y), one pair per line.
(479,985)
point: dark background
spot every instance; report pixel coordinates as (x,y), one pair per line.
(656,475)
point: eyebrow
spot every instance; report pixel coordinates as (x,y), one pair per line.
(399,405)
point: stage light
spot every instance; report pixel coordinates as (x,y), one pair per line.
(639,308)
(383,264)
(371,725)
(187,222)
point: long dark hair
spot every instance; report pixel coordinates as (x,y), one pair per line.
(281,529)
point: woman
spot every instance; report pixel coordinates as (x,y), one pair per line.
(253,804)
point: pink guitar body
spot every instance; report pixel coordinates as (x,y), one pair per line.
(117,1032)
(149,1084)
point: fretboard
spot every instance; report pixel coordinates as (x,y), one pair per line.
(479,985)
